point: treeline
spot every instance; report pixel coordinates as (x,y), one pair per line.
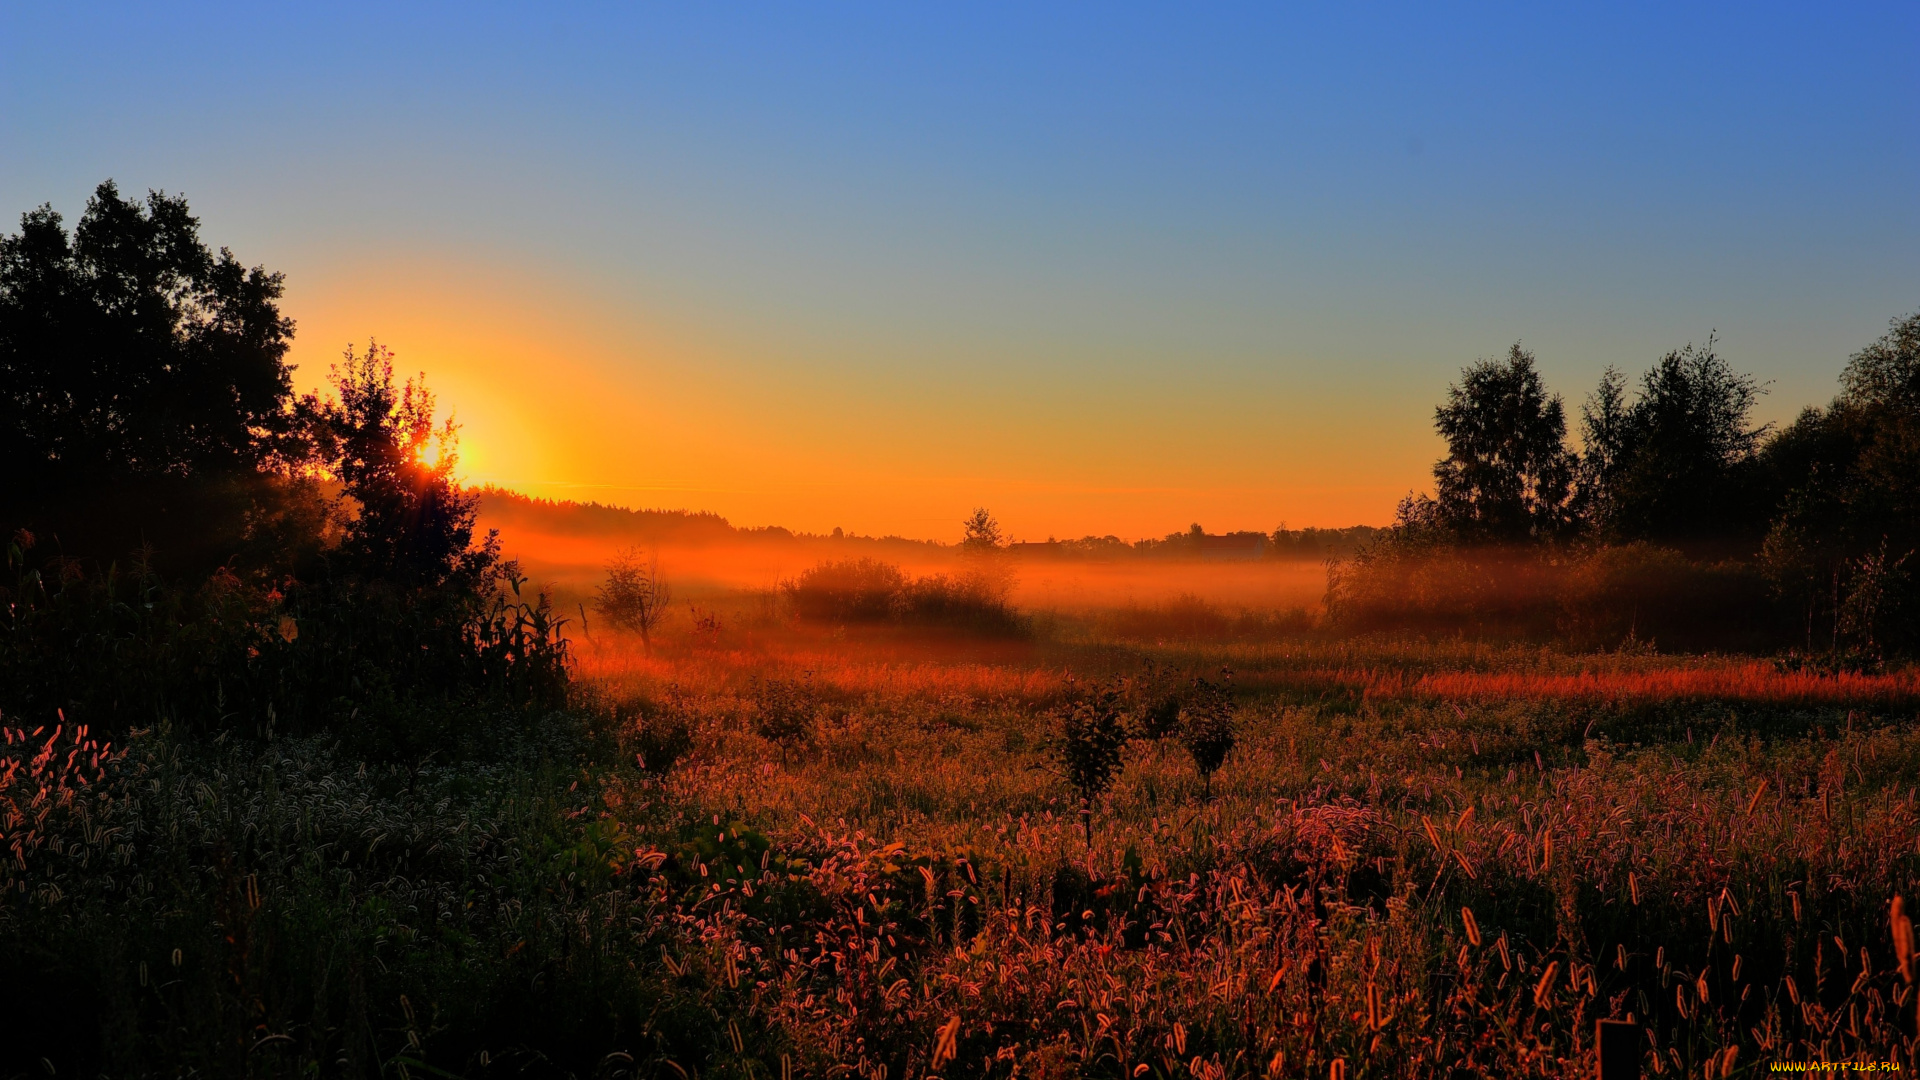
(1675,516)
(1309,544)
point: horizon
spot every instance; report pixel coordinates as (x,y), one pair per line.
(1103,272)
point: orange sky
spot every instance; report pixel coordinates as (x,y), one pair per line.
(1112,270)
(565,394)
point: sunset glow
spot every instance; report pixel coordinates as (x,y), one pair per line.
(871,268)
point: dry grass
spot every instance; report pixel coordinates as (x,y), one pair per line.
(1728,891)
(844,855)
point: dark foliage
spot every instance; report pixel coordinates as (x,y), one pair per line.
(128,350)
(1841,549)
(144,394)
(1675,463)
(870,591)
(1206,726)
(1507,475)
(1089,739)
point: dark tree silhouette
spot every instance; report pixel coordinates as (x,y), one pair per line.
(1847,484)
(144,394)
(1088,745)
(1672,465)
(410,524)
(1507,475)
(129,351)
(982,532)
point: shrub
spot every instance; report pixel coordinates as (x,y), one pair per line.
(853,590)
(1090,737)
(784,711)
(1206,727)
(634,596)
(658,738)
(973,600)
(866,590)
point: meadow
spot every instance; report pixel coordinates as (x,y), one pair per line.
(763,845)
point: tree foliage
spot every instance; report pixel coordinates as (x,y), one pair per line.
(129,350)
(410,523)
(982,532)
(635,595)
(144,391)
(1672,464)
(1507,474)
(1086,749)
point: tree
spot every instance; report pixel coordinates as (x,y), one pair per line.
(1879,405)
(1086,750)
(982,532)
(989,576)
(410,524)
(127,349)
(1674,460)
(1845,484)
(1507,474)
(1603,436)
(141,376)
(635,595)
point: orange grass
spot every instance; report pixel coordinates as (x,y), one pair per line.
(1748,682)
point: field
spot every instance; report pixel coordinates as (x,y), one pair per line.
(766,847)
(1420,858)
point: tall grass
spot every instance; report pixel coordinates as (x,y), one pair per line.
(812,852)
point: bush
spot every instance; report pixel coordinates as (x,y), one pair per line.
(784,711)
(853,590)
(1206,727)
(866,590)
(1090,737)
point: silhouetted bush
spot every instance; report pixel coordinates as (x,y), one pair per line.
(852,590)
(866,590)
(1206,727)
(1090,735)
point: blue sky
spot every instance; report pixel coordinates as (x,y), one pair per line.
(1104,267)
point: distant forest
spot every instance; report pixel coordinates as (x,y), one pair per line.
(507,509)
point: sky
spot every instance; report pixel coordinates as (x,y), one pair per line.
(1102,268)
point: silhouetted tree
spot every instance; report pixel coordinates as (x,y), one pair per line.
(1087,747)
(127,349)
(1846,482)
(982,532)
(132,357)
(635,595)
(1603,435)
(410,524)
(1672,464)
(1507,474)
